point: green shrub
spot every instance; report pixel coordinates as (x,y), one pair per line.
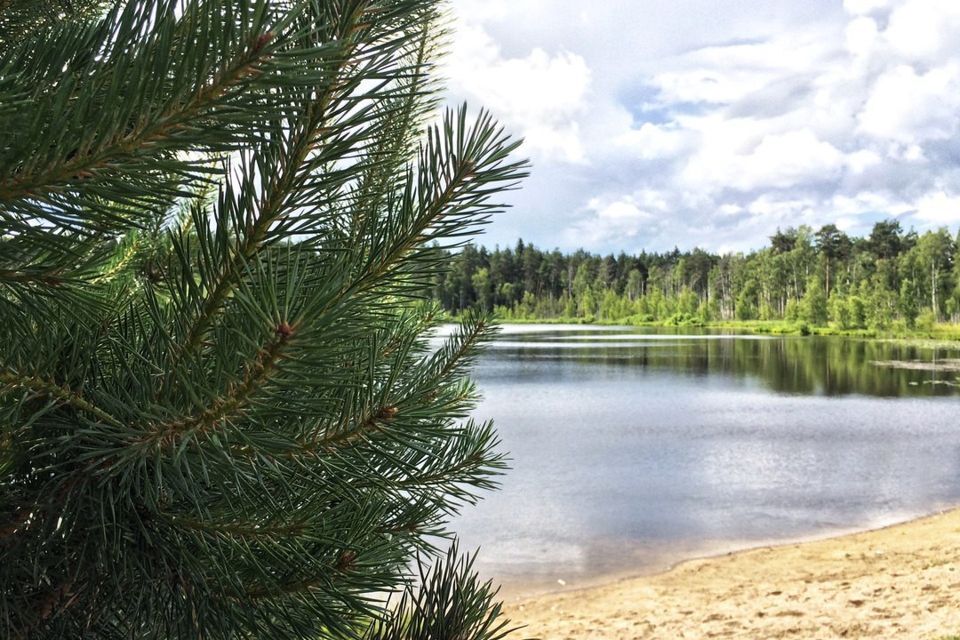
(926,321)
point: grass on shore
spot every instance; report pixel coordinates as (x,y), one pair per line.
(940,335)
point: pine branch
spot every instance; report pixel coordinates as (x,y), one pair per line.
(273,200)
(477,459)
(367,427)
(235,423)
(51,276)
(59,394)
(452,603)
(454,355)
(144,139)
(226,407)
(238,530)
(20,18)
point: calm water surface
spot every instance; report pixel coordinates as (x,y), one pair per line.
(632,450)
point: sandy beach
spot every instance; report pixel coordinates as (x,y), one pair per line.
(901,581)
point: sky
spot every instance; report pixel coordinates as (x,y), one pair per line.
(659,123)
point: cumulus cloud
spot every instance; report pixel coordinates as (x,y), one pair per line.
(744,120)
(913,107)
(862,37)
(778,161)
(924,29)
(939,209)
(858,7)
(619,220)
(652,141)
(538,95)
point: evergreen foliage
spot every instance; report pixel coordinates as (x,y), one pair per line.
(222,413)
(889,278)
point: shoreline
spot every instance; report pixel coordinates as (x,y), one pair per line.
(944,335)
(897,580)
(522,591)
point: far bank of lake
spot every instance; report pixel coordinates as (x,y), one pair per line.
(633,449)
(945,334)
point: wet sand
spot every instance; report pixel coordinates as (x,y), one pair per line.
(901,581)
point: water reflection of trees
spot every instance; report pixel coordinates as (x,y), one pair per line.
(817,366)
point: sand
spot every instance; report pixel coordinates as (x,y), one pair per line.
(902,581)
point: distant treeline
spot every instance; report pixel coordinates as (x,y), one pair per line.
(890,278)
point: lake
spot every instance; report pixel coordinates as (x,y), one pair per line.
(634,449)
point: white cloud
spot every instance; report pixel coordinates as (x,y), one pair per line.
(625,210)
(778,161)
(709,85)
(663,129)
(859,7)
(538,95)
(780,209)
(860,161)
(790,158)
(621,219)
(849,207)
(909,107)
(846,224)
(862,36)
(924,29)
(653,141)
(939,208)
(725,74)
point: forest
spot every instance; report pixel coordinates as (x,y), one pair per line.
(890,279)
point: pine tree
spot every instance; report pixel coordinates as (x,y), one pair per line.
(222,413)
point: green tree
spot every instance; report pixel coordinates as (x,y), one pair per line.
(792,311)
(484,289)
(953,298)
(610,307)
(634,285)
(856,312)
(833,245)
(907,303)
(767,284)
(746,308)
(935,249)
(886,239)
(879,301)
(587,307)
(813,306)
(687,303)
(220,412)
(840,311)
(783,241)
